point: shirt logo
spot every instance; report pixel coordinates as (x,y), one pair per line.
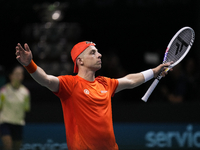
(104,91)
(86,91)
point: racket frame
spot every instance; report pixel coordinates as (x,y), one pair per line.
(187,50)
(159,77)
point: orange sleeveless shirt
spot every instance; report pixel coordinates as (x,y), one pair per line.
(87,112)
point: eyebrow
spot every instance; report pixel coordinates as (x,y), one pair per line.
(92,50)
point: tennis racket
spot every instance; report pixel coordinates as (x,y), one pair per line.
(176,50)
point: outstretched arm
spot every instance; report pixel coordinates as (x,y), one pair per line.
(24,56)
(133,80)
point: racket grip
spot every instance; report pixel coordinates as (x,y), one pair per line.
(150,90)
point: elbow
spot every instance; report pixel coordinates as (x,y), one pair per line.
(135,83)
(47,83)
(131,84)
(43,82)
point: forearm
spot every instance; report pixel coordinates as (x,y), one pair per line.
(139,78)
(135,79)
(40,76)
(24,56)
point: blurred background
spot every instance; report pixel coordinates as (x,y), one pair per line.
(132,36)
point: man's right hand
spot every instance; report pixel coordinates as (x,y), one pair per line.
(23,55)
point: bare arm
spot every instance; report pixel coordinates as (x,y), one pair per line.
(24,56)
(133,80)
(49,81)
(130,81)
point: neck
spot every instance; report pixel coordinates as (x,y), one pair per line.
(15,85)
(87,75)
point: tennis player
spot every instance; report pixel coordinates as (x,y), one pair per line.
(86,99)
(14,103)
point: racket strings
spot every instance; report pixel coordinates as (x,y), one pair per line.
(179,46)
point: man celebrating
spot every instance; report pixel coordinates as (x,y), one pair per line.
(86,99)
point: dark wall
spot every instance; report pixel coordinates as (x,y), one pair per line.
(127,28)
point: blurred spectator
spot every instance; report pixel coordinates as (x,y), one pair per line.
(173,88)
(14,102)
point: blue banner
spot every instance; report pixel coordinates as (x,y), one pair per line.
(158,136)
(138,136)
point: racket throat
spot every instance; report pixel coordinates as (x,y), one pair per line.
(159,77)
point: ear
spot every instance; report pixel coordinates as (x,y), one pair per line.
(80,61)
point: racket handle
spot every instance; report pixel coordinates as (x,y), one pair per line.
(150,90)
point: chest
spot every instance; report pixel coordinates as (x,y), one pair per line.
(93,94)
(13,96)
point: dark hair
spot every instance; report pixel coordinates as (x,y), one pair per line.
(10,70)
